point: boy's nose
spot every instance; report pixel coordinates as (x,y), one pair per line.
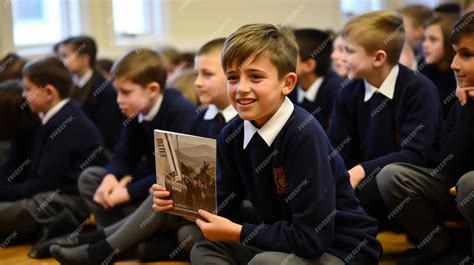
(454,63)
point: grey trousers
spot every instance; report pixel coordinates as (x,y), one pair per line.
(143,223)
(28,216)
(464,202)
(230,252)
(418,198)
(89,181)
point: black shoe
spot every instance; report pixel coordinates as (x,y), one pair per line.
(414,256)
(41,251)
(70,256)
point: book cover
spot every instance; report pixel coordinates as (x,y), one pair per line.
(186,166)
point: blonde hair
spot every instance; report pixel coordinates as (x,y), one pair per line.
(380,30)
(252,40)
(141,66)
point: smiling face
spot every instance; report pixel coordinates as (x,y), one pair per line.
(433,44)
(356,60)
(463,62)
(255,90)
(211,80)
(337,57)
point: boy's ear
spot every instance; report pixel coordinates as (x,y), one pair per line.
(309,65)
(51,92)
(85,59)
(380,58)
(155,89)
(289,82)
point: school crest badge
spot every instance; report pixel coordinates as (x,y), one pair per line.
(281,181)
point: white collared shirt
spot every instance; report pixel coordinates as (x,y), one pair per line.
(229,112)
(82,81)
(387,88)
(312,91)
(153,111)
(50,113)
(272,127)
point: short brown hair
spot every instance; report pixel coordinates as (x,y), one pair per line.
(446,24)
(379,30)
(11,66)
(49,71)
(419,14)
(15,116)
(464,26)
(211,46)
(141,66)
(256,39)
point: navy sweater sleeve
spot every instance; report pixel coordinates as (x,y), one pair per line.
(128,151)
(458,141)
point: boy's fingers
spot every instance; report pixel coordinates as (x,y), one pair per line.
(161,194)
(156,187)
(207,215)
(161,202)
(200,223)
(162,208)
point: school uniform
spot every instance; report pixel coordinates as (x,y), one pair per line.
(396,123)
(65,143)
(319,98)
(210,121)
(424,192)
(295,185)
(445,82)
(134,155)
(98,99)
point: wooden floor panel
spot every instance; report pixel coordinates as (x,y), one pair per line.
(393,244)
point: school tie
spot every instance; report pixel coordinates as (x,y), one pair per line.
(220,118)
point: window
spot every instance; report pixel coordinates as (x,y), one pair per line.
(130,17)
(352,8)
(38,22)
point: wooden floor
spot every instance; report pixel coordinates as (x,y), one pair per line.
(393,245)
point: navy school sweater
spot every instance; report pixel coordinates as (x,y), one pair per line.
(457,152)
(134,154)
(98,99)
(383,131)
(323,104)
(62,148)
(300,190)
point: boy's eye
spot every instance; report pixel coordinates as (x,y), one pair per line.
(466,54)
(255,77)
(232,79)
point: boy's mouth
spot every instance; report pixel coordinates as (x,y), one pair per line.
(245,101)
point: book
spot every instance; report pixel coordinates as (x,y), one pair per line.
(186,166)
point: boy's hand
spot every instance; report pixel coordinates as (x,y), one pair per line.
(218,228)
(357,174)
(463,93)
(118,196)
(109,183)
(159,198)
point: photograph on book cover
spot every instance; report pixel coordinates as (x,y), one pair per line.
(186,166)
